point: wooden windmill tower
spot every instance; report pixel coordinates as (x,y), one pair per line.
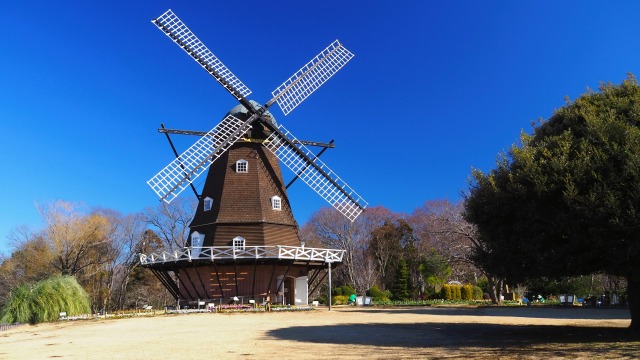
(243,238)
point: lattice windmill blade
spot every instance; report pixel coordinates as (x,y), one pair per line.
(310,77)
(175,29)
(315,173)
(182,171)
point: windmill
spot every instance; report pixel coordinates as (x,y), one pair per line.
(243,238)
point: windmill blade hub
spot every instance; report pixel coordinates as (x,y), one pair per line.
(258,132)
(241,112)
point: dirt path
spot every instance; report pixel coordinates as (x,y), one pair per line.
(343,333)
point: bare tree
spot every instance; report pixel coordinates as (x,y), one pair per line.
(331,229)
(132,236)
(125,233)
(171,221)
(100,248)
(440,225)
(31,258)
(387,246)
(77,240)
(30,261)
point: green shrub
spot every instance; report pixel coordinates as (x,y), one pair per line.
(446,292)
(343,290)
(483,283)
(45,301)
(455,292)
(339,299)
(383,302)
(347,290)
(477,293)
(321,299)
(466,292)
(377,294)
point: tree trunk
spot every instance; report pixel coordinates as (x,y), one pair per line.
(495,288)
(492,289)
(633,299)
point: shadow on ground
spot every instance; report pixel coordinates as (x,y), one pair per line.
(510,338)
(541,312)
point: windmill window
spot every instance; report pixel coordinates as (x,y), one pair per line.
(208,203)
(238,243)
(197,239)
(276,203)
(242,166)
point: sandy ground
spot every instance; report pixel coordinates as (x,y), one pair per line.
(342,333)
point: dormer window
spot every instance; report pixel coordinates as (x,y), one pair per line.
(242,166)
(276,203)
(238,243)
(208,203)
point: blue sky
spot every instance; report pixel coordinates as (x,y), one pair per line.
(435,88)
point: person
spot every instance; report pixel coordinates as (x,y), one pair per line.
(268,303)
(352,299)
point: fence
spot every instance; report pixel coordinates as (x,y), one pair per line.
(5,327)
(248,252)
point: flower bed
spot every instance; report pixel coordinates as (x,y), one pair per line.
(290,308)
(435,302)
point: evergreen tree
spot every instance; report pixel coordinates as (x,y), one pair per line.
(401,287)
(566,201)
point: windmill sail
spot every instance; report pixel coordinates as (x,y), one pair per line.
(175,29)
(315,173)
(182,171)
(176,176)
(311,76)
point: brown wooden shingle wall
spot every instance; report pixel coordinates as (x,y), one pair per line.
(242,201)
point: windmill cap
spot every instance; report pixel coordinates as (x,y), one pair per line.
(241,112)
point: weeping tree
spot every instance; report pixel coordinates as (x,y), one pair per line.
(45,300)
(566,200)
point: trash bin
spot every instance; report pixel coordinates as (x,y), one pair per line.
(363,301)
(567,299)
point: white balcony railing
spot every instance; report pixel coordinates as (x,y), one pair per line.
(213,253)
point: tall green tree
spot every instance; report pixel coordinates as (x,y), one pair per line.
(566,200)
(402,287)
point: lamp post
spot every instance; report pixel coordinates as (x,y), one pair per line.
(329,264)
